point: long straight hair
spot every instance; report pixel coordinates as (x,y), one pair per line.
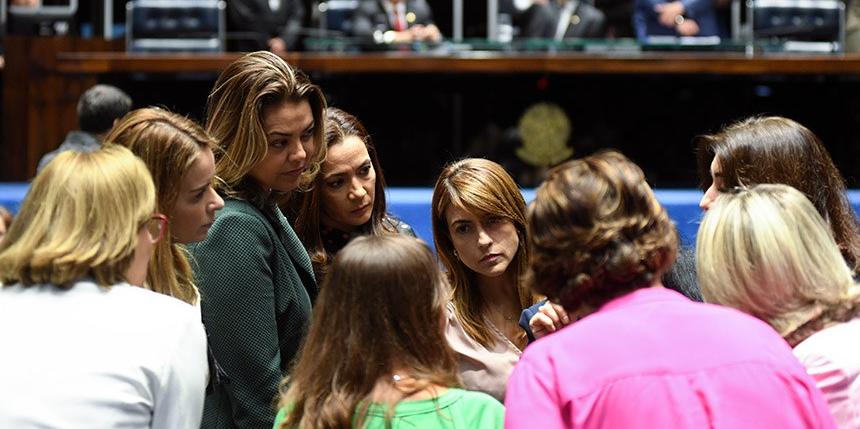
(168,144)
(778,150)
(383,309)
(478,186)
(339,125)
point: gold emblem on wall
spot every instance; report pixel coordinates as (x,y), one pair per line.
(544,129)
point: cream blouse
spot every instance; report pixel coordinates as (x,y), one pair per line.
(481,368)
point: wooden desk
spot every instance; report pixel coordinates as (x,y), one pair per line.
(45,76)
(477,62)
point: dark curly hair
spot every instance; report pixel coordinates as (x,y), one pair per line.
(597,232)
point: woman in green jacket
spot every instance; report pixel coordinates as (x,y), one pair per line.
(255,278)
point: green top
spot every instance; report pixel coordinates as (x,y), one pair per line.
(256,288)
(456,408)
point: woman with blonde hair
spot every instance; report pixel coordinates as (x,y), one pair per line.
(255,278)
(766,251)
(479,229)
(774,149)
(87,346)
(392,367)
(179,156)
(640,352)
(348,197)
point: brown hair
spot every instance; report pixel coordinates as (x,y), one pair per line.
(338,126)
(168,144)
(478,186)
(234,117)
(386,298)
(778,150)
(597,232)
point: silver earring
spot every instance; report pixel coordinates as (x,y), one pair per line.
(456,254)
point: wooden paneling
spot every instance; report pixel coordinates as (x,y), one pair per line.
(45,76)
(478,62)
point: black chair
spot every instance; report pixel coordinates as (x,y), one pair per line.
(175,26)
(798,25)
(335,16)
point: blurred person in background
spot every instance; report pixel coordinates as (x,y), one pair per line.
(273,25)
(395,21)
(98,109)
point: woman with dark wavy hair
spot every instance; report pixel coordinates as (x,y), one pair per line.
(640,352)
(347,199)
(773,149)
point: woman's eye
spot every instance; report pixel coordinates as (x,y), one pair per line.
(364,171)
(334,184)
(461,229)
(278,144)
(307,136)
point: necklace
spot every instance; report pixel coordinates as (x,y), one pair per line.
(507,317)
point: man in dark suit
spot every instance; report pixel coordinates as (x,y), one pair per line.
(272,25)
(561,19)
(398,21)
(675,18)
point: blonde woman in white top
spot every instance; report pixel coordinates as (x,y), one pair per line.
(83,345)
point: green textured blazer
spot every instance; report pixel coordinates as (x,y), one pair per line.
(256,286)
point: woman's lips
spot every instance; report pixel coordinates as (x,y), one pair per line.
(296,172)
(492,257)
(361,209)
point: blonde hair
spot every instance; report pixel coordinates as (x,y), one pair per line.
(768,252)
(169,144)
(80,218)
(597,232)
(478,186)
(234,117)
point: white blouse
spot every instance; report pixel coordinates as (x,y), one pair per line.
(110,357)
(481,368)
